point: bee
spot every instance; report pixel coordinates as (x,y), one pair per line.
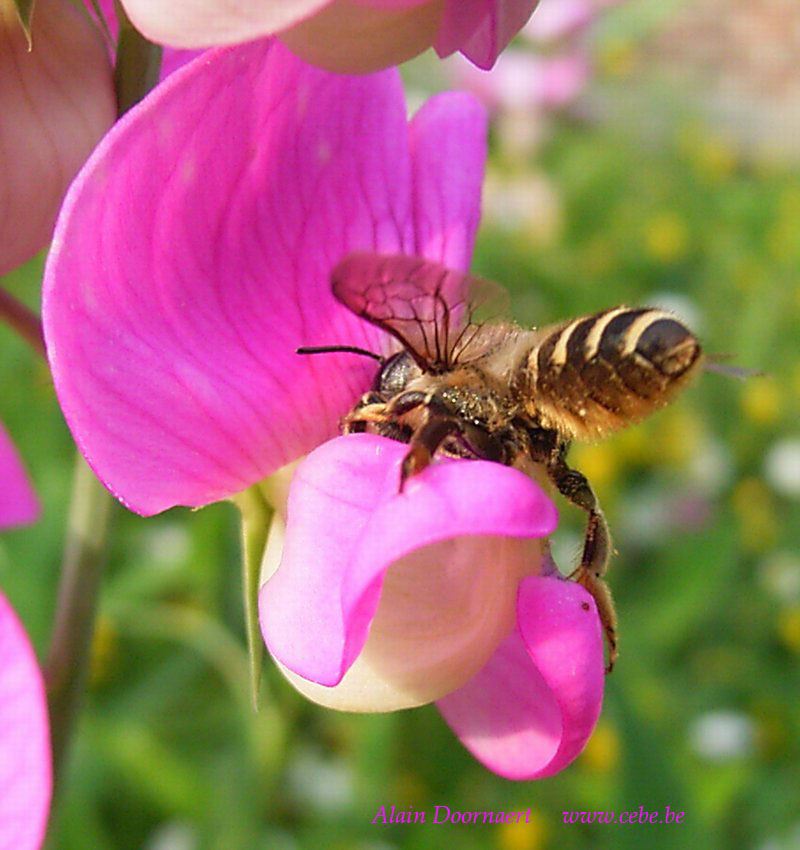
(500,392)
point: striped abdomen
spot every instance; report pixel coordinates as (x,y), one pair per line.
(599,373)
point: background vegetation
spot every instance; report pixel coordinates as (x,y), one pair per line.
(702,712)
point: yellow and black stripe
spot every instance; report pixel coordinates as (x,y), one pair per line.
(598,373)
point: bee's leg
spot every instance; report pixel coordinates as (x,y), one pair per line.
(596,547)
(425,441)
(370,409)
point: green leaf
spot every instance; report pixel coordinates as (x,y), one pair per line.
(25,15)
(256,521)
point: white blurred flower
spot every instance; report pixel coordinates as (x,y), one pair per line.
(325,784)
(780,576)
(782,467)
(523,203)
(710,469)
(722,735)
(643,517)
(167,544)
(174,835)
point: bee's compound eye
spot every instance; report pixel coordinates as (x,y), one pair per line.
(398,370)
(669,346)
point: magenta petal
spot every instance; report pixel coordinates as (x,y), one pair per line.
(501,22)
(25,775)
(448,141)
(530,711)
(347,524)
(192,257)
(18,502)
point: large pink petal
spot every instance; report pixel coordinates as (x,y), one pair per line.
(18,502)
(530,711)
(501,21)
(449,154)
(56,101)
(205,23)
(461,20)
(347,524)
(193,256)
(25,775)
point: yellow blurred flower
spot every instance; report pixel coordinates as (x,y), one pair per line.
(752,502)
(635,445)
(789,204)
(598,462)
(602,752)
(524,836)
(714,159)
(618,58)
(678,438)
(781,240)
(761,401)
(666,237)
(789,628)
(104,651)
(599,257)
(749,276)
(411,790)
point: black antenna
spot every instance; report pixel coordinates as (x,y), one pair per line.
(338,349)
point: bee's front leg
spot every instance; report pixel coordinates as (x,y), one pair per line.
(438,424)
(371,409)
(426,440)
(574,486)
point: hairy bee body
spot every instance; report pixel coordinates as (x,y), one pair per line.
(596,374)
(503,393)
(583,379)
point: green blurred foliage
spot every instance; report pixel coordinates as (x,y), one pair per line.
(170,756)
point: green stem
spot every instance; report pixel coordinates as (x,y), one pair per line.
(136,72)
(81,570)
(256,520)
(23,320)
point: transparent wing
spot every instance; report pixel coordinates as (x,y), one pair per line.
(437,313)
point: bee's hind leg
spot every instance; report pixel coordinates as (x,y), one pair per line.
(574,486)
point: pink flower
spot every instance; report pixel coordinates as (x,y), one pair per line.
(552,75)
(25,776)
(56,101)
(341,35)
(18,502)
(192,258)
(523,82)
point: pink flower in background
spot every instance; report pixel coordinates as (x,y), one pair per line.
(56,101)
(25,775)
(18,502)
(559,19)
(525,83)
(350,36)
(192,257)
(550,76)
